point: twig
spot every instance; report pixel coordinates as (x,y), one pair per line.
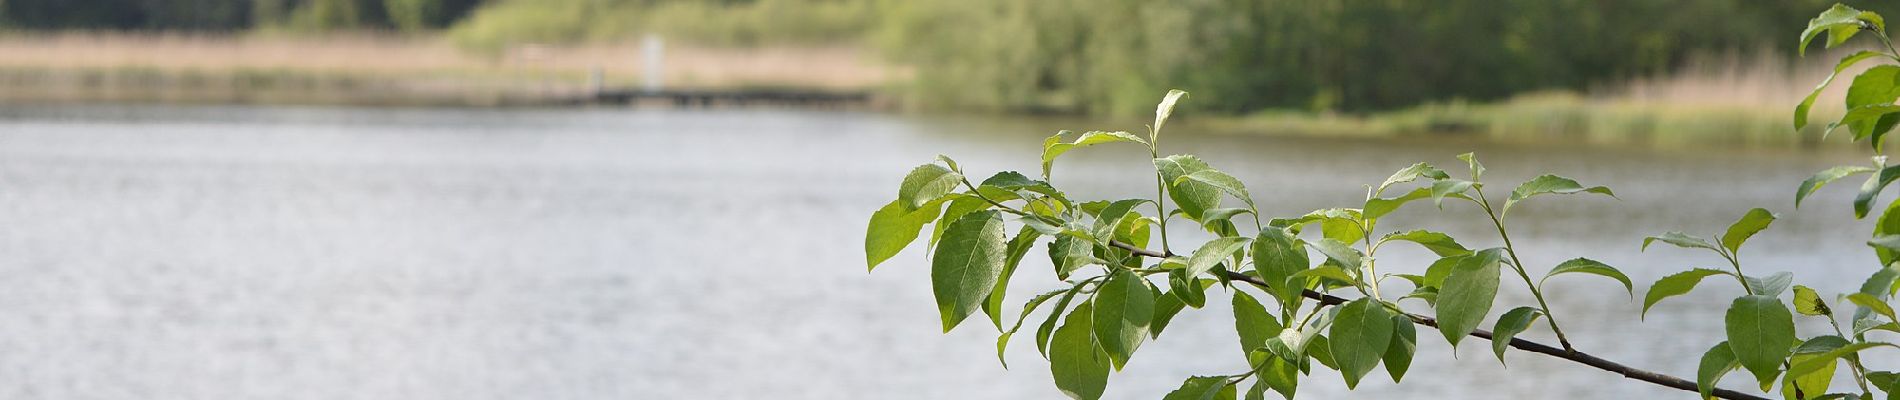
(1521,344)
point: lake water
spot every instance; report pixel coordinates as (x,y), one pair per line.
(162,252)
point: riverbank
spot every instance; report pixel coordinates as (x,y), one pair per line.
(394,70)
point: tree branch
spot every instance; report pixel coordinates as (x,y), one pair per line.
(1521,344)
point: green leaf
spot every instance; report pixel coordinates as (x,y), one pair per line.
(1193,197)
(1223,181)
(1771,285)
(1825,177)
(1677,284)
(1808,302)
(1477,169)
(1166,306)
(1277,256)
(1878,114)
(925,183)
(1253,322)
(1329,271)
(1124,306)
(1823,360)
(1679,240)
(1551,184)
(1379,207)
(1213,252)
(1079,365)
(1889,242)
(1874,304)
(967,264)
(1468,294)
(1054,146)
(1361,334)
(1840,22)
(1002,341)
(1069,253)
(1339,252)
(1017,248)
(1441,244)
(1873,87)
(1419,170)
(960,205)
(1809,384)
(1048,326)
(1449,188)
(1760,329)
(1198,388)
(1589,266)
(1509,325)
(1398,357)
(1718,361)
(1188,288)
(1281,376)
(1871,189)
(1164,110)
(1801,111)
(1320,349)
(1754,221)
(892,228)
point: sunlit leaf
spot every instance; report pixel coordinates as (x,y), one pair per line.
(1825,177)
(1840,22)
(1808,302)
(925,183)
(1164,110)
(1801,111)
(892,228)
(1124,306)
(1213,252)
(967,264)
(1739,232)
(1408,174)
(1079,365)
(1193,197)
(1441,244)
(1468,294)
(1551,184)
(1675,285)
(1054,146)
(1760,330)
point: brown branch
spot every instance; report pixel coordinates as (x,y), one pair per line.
(1519,343)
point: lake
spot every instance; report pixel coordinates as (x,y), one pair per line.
(186,252)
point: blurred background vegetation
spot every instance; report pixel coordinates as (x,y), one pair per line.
(1423,65)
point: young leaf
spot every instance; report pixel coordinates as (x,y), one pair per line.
(1825,177)
(1551,184)
(1198,388)
(967,263)
(1468,293)
(1379,207)
(1054,147)
(1760,330)
(1124,306)
(1677,284)
(1808,302)
(1589,266)
(1398,357)
(1799,385)
(1213,252)
(1754,221)
(1223,181)
(1840,22)
(1360,336)
(1165,110)
(925,183)
(1680,240)
(1193,197)
(1079,365)
(1441,244)
(1253,322)
(1477,169)
(892,228)
(1718,361)
(1801,111)
(1449,188)
(1509,325)
(1822,360)
(1277,256)
(1419,170)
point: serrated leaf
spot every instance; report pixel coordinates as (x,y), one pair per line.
(1361,333)
(1252,321)
(1441,244)
(1223,181)
(1676,284)
(1840,22)
(1192,197)
(925,183)
(1164,110)
(1771,285)
(1054,146)
(1468,293)
(1277,256)
(1213,252)
(1408,174)
(1718,361)
(1679,240)
(1808,302)
(967,264)
(1198,388)
(1398,357)
(1801,110)
(892,229)
(1589,266)
(1079,365)
(1825,177)
(1760,330)
(1509,325)
(1754,221)
(1124,306)
(1551,184)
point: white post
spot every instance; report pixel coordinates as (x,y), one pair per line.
(654,53)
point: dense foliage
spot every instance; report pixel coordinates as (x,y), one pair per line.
(1121,281)
(231,15)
